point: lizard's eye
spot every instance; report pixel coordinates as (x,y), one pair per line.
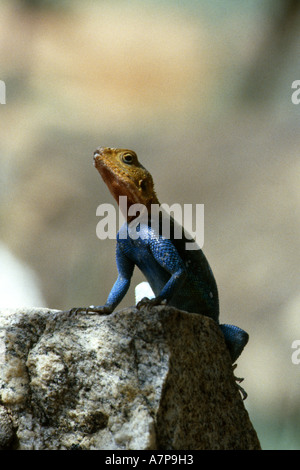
(127,158)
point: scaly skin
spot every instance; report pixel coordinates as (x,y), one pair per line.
(179,277)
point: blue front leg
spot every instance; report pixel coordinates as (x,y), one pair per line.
(125,269)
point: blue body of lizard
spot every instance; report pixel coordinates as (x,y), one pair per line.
(180,277)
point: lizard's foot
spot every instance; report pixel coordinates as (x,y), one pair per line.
(101,310)
(149,303)
(241,389)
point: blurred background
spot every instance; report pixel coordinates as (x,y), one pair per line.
(201,90)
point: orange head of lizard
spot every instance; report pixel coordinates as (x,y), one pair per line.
(125,176)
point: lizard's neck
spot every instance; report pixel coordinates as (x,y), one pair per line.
(135,197)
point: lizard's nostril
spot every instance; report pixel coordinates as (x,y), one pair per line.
(99,150)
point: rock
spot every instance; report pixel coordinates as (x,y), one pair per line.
(6,429)
(159,379)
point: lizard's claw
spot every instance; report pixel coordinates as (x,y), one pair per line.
(149,303)
(101,310)
(76,310)
(241,389)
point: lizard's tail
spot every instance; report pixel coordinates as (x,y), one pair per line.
(235,339)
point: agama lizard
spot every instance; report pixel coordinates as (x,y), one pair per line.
(179,277)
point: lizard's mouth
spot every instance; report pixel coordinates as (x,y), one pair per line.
(123,178)
(97,155)
(107,166)
(114,177)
